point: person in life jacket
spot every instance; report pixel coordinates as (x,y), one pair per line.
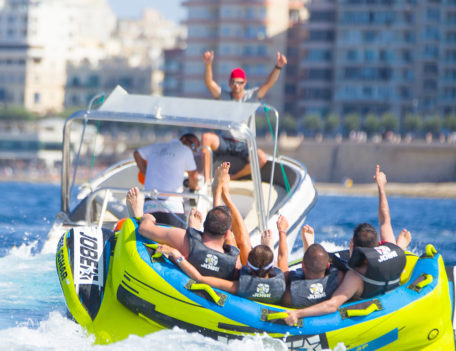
(316,280)
(259,280)
(374,267)
(207,250)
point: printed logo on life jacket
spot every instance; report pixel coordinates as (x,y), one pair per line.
(316,291)
(211,262)
(89,256)
(262,290)
(385,253)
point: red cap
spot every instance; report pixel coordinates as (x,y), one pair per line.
(237,73)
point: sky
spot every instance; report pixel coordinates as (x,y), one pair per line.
(170,9)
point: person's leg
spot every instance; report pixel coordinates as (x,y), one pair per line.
(177,220)
(195,219)
(307,236)
(212,141)
(135,202)
(246,170)
(220,173)
(403,239)
(267,239)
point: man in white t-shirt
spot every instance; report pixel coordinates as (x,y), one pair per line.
(164,166)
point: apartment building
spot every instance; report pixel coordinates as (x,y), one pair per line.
(373,56)
(37,38)
(133,58)
(242,33)
(60,53)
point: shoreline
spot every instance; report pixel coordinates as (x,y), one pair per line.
(424,190)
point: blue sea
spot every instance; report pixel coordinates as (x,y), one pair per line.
(32,307)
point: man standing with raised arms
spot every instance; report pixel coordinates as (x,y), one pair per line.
(225,142)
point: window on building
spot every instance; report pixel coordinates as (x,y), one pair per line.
(93,81)
(36,98)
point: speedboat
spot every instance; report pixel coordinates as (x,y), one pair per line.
(116,284)
(282,186)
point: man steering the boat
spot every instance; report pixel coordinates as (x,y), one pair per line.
(225,143)
(373,268)
(164,166)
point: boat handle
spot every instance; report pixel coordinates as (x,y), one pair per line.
(218,299)
(268,316)
(362,312)
(430,250)
(277,315)
(427,280)
(420,282)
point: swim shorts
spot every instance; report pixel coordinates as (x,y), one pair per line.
(233,147)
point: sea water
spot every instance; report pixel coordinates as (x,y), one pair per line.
(32,307)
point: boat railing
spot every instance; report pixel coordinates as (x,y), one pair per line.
(108,191)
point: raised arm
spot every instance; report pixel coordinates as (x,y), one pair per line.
(282,260)
(212,86)
(192,272)
(221,185)
(384,218)
(281,61)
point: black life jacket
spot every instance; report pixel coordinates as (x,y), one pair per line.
(308,292)
(210,262)
(384,267)
(266,290)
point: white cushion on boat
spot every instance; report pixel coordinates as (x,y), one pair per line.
(242,194)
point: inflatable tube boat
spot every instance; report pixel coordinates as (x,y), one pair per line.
(115,284)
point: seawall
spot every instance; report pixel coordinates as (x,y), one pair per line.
(332,161)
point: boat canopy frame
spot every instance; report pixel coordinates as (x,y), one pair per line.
(174,111)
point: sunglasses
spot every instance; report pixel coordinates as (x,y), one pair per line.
(237,82)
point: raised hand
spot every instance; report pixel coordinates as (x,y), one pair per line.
(281,60)
(379,177)
(282,224)
(208,57)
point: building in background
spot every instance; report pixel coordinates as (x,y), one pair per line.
(86,79)
(363,56)
(133,58)
(243,34)
(37,38)
(42,41)
(344,56)
(173,70)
